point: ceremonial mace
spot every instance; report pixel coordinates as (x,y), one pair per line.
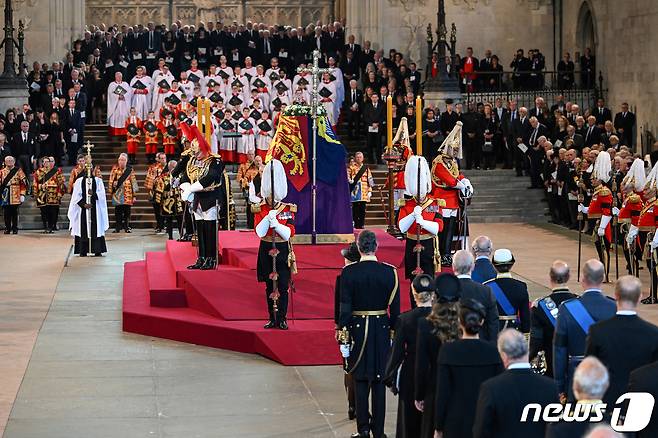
(274,252)
(580,218)
(615,223)
(418,248)
(90,185)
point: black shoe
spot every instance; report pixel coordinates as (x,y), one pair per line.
(351,413)
(14,231)
(360,435)
(83,255)
(98,254)
(7,231)
(128,230)
(199,262)
(208,264)
(648,300)
(115,231)
(446,260)
(269,325)
(283,325)
(55,228)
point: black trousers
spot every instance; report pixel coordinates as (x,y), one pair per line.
(374,143)
(169,224)
(446,235)
(353,123)
(535,167)
(603,250)
(207,238)
(11,217)
(189,222)
(49,215)
(359,214)
(122,217)
(282,304)
(159,220)
(376,392)
(520,160)
(472,151)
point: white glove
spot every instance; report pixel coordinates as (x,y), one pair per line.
(272,215)
(654,242)
(273,222)
(345,350)
(418,218)
(600,231)
(187,195)
(615,211)
(418,210)
(632,234)
(582,209)
(22,199)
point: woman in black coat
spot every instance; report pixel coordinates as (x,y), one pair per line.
(462,366)
(403,357)
(440,327)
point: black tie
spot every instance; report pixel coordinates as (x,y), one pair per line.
(71,113)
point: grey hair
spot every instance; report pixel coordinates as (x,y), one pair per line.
(124,155)
(482,245)
(591,379)
(559,272)
(462,262)
(593,272)
(367,242)
(513,344)
(628,289)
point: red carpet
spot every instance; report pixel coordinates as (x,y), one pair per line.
(226,308)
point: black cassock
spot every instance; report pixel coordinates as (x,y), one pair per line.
(82,242)
(403,356)
(368,289)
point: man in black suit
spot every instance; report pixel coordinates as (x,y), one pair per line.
(643,379)
(520,133)
(482,250)
(545,311)
(152,44)
(25,147)
(507,120)
(462,265)
(354,105)
(578,140)
(73,130)
(601,113)
(374,114)
(265,48)
(590,381)
(350,68)
(625,341)
(449,118)
(536,151)
(573,322)
(369,309)
(108,49)
(537,110)
(502,398)
(624,124)
(592,132)
(367,55)
(352,46)
(298,46)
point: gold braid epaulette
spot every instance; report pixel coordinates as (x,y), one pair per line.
(634,198)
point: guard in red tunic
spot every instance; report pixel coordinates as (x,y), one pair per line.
(170,133)
(133,134)
(275,260)
(647,231)
(420,221)
(600,208)
(629,214)
(449,184)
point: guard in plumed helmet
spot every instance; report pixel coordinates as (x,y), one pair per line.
(420,220)
(400,369)
(629,214)
(275,225)
(201,185)
(449,184)
(648,231)
(600,208)
(511,294)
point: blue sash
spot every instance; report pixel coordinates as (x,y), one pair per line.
(505,305)
(549,315)
(580,314)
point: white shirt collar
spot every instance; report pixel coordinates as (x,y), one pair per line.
(626,312)
(464,276)
(592,290)
(481,257)
(519,366)
(368,258)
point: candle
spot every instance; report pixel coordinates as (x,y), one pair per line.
(389,123)
(419,126)
(199,113)
(208,120)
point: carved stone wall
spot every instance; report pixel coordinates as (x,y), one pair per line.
(50,26)
(292,12)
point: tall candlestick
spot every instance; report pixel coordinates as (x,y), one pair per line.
(208,120)
(419,126)
(389,123)
(199,113)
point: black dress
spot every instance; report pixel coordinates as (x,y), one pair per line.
(403,357)
(462,366)
(427,350)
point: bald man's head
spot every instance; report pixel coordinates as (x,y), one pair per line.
(593,274)
(559,273)
(628,291)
